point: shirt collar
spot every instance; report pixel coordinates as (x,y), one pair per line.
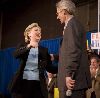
(67,20)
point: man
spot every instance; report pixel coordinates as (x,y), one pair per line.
(94,92)
(73,61)
(52,83)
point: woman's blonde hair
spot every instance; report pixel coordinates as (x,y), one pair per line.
(67,5)
(28,29)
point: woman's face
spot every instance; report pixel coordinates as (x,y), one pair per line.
(35,34)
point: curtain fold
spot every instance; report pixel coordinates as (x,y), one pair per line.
(8,66)
(52,45)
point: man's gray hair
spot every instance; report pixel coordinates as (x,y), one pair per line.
(67,5)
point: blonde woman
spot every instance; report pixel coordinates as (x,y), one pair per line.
(29,81)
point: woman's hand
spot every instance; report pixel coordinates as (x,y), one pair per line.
(32,44)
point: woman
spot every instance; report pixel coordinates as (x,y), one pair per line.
(29,81)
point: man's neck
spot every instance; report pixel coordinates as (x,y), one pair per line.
(68,17)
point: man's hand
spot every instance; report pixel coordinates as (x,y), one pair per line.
(92,71)
(70,83)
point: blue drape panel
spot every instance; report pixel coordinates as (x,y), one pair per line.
(52,45)
(9,65)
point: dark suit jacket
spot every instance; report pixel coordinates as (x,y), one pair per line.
(44,62)
(95,90)
(73,57)
(51,86)
(96,85)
